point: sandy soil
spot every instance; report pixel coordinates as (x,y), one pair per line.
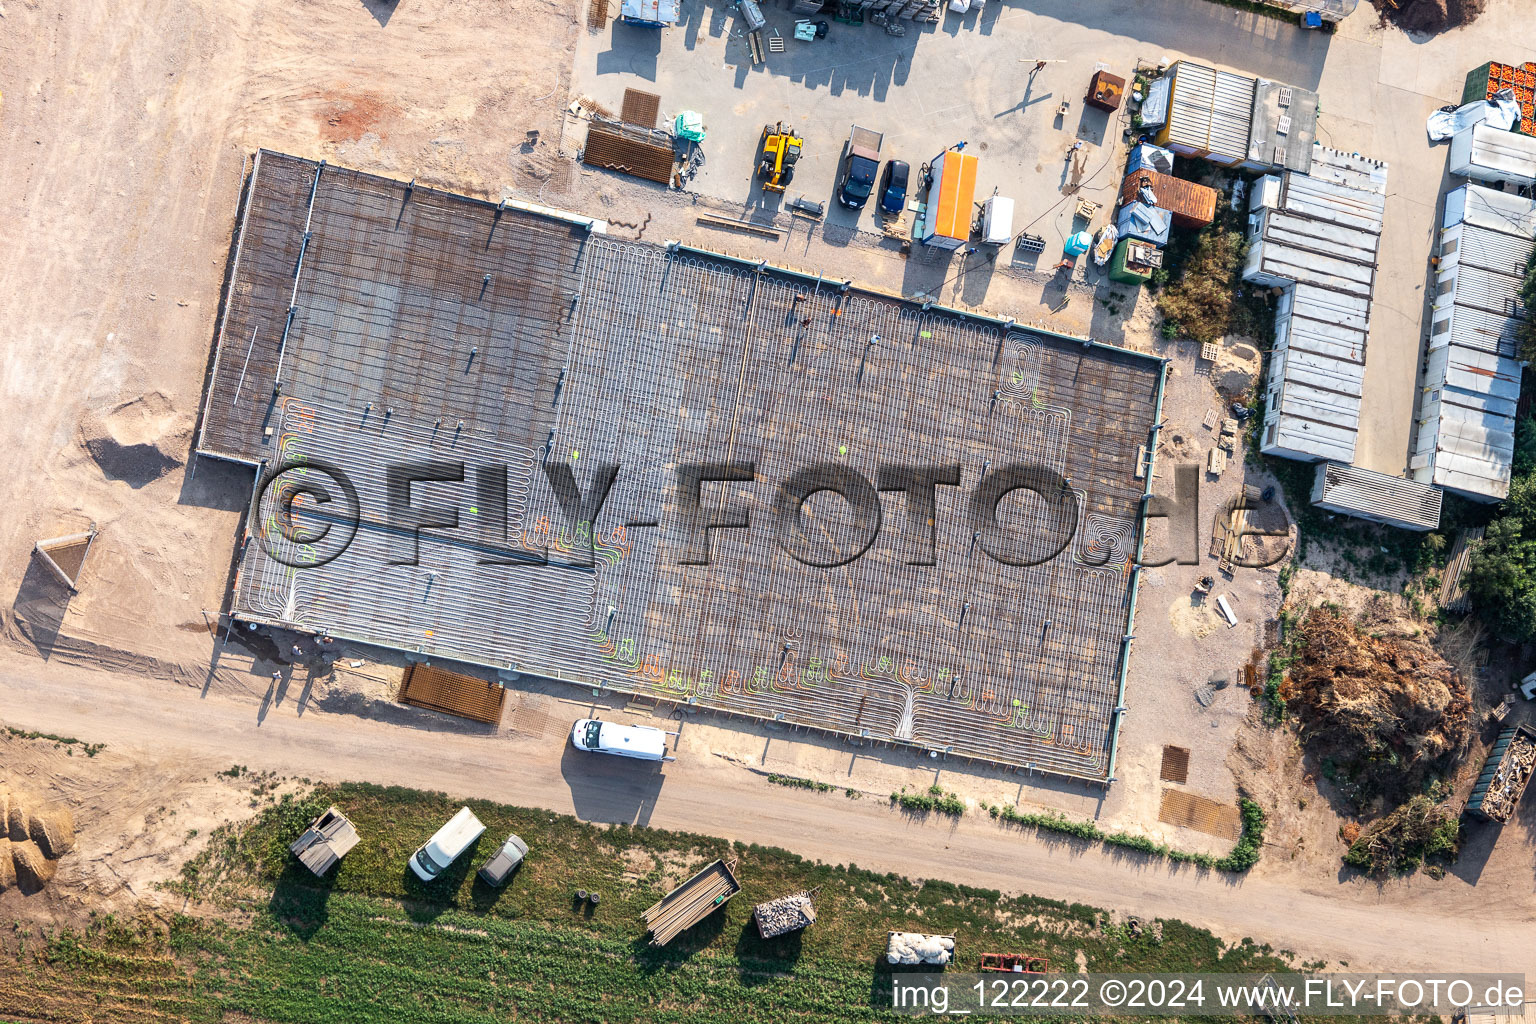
(138,817)
(124,137)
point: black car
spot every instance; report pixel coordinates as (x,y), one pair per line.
(893,186)
(861,160)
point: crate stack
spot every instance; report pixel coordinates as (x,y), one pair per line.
(912,10)
(1483,82)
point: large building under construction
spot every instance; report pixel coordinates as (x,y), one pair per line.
(431,362)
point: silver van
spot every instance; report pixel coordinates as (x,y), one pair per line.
(446,844)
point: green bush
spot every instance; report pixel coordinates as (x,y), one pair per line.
(1246,853)
(1243,856)
(795,782)
(1403,839)
(1201,300)
(935,800)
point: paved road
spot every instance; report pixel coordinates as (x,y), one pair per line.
(1391,928)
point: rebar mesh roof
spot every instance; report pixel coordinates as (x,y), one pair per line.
(591,351)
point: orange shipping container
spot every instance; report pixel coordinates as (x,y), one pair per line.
(950,200)
(1192,205)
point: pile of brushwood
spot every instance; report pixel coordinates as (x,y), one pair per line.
(1398,842)
(1385,715)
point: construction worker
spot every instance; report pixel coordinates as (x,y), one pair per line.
(1039,66)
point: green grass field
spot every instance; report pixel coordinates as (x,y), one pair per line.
(372,943)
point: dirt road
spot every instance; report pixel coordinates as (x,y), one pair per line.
(1392,927)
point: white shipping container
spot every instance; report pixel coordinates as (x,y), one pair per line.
(1484,153)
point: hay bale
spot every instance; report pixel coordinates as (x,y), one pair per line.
(7,866)
(53,830)
(33,870)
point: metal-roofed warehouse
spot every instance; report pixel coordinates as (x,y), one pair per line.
(371,326)
(1465,438)
(1316,235)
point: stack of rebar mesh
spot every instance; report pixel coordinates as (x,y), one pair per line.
(691,902)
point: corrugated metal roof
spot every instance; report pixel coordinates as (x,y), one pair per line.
(1491,381)
(1476,330)
(1232,114)
(1489,249)
(1471,378)
(1320,239)
(1506,154)
(1211,110)
(1486,290)
(1472,452)
(1324,230)
(1379,497)
(1189,110)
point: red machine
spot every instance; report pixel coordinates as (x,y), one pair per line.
(1014,963)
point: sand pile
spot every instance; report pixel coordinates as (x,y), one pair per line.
(1383,714)
(36,835)
(137,441)
(1236,369)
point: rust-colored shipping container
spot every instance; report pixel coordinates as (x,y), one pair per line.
(1192,205)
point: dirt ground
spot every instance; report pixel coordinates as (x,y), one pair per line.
(138,819)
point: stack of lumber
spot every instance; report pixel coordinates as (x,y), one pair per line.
(691,902)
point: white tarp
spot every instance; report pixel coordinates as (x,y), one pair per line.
(1154,109)
(1502,112)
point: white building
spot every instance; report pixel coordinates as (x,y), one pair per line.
(1466,419)
(1316,235)
(1489,155)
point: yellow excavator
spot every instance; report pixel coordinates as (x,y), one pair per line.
(781,149)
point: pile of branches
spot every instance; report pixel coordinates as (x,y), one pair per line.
(1400,841)
(1385,715)
(1428,17)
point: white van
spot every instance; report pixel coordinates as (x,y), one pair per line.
(637,741)
(446,844)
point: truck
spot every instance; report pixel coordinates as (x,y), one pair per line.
(860,162)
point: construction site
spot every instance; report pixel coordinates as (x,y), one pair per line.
(403,404)
(373,324)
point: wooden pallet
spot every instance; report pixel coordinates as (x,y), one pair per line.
(451,693)
(597,14)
